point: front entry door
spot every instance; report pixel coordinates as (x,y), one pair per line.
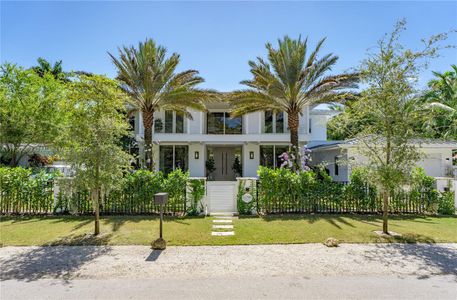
(223,160)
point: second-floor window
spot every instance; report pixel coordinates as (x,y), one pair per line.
(274,122)
(221,123)
(174,122)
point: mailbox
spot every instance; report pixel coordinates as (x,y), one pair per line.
(160,198)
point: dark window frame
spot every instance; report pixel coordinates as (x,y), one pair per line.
(225,116)
(273,127)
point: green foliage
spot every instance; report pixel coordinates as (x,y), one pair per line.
(246,186)
(210,166)
(96,123)
(291,80)
(285,191)
(175,185)
(197,191)
(134,194)
(31,111)
(21,190)
(44,67)
(150,80)
(237,167)
(441,102)
(446,203)
(361,189)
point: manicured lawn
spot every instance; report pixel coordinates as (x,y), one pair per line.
(141,230)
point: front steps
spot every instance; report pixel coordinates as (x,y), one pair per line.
(223,224)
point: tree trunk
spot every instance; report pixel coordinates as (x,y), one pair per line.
(293,122)
(95,199)
(385,208)
(385,212)
(148,121)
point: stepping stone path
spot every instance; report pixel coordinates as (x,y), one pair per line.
(222,225)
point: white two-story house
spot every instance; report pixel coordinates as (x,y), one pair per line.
(254,139)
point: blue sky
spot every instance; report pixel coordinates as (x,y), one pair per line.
(216,38)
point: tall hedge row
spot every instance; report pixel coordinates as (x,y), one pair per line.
(24,192)
(284,191)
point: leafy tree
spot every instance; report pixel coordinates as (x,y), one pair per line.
(441,99)
(30,111)
(45,67)
(391,103)
(290,81)
(92,141)
(149,77)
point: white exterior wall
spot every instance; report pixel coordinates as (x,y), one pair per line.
(436,163)
(250,166)
(252,123)
(318,127)
(253,127)
(195,126)
(197,166)
(327,158)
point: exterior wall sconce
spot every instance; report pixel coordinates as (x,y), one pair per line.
(196,155)
(251,154)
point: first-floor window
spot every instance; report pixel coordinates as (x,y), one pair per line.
(337,171)
(173,157)
(269,155)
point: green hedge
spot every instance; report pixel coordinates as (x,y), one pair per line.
(284,191)
(22,192)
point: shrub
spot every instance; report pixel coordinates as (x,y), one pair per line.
(446,203)
(20,190)
(197,191)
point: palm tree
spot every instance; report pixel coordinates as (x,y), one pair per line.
(442,100)
(148,76)
(289,81)
(55,70)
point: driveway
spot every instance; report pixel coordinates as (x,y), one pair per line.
(382,271)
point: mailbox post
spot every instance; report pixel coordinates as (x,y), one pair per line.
(160,199)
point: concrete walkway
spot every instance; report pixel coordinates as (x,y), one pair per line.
(379,271)
(223,224)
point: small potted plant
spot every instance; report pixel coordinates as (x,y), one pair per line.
(210,167)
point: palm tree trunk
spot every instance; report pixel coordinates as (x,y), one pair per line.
(294,123)
(148,121)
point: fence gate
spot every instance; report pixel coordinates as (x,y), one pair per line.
(221,196)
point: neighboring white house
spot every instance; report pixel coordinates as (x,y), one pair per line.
(254,139)
(340,156)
